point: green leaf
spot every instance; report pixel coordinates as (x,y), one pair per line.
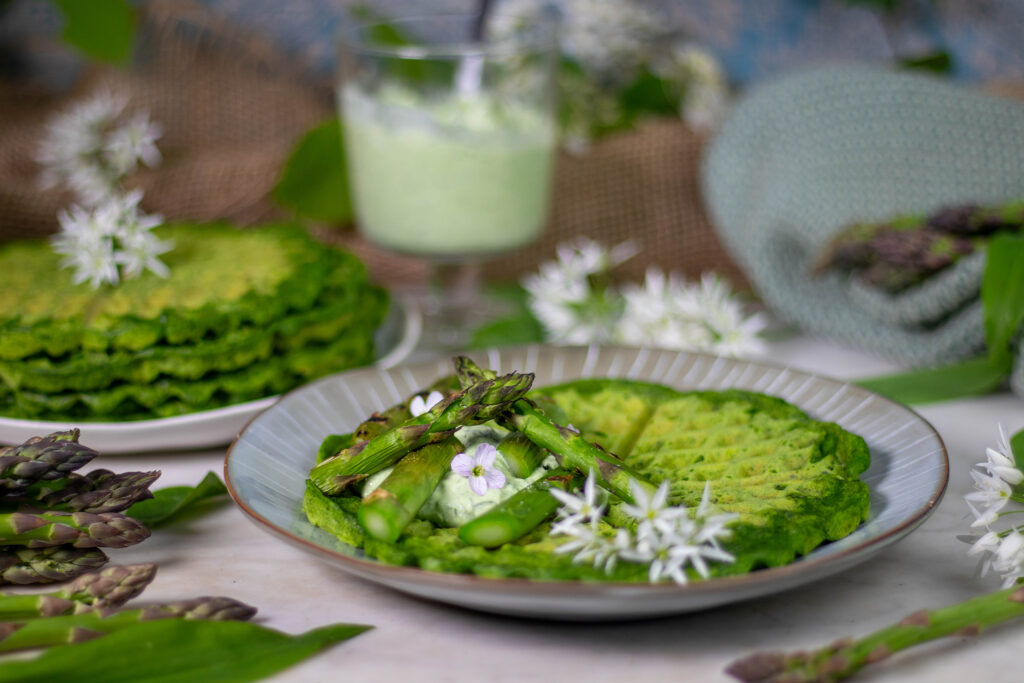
(102,29)
(168,503)
(1017,446)
(939,62)
(974,377)
(521,329)
(1002,294)
(314,182)
(173,650)
(380,30)
(519,326)
(649,94)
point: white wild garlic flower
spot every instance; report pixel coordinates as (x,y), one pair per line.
(995,486)
(576,305)
(110,242)
(89,149)
(670,539)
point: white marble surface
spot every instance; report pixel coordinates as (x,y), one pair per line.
(223,553)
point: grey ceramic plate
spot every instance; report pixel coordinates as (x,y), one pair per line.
(395,339)
(267,465)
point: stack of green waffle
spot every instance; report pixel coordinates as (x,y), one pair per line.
(244,314)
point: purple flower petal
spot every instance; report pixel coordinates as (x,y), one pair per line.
(485,455)
(462,465)
(478,485)
(495,478)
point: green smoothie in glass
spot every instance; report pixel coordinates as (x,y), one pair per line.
(449,176)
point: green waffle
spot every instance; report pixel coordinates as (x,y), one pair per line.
(245,313)
(793,481)
(333,315)
(221,278)
(170,396)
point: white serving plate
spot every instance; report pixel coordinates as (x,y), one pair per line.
(267,466)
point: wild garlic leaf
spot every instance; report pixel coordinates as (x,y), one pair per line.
(172,650)
(102,29)
(974,377)
(1017,446)
(1002,293)
(167,503)
(1002,297)
(314,182)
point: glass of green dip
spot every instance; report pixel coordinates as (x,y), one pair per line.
(449,132)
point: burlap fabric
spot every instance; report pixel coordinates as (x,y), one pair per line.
(232,106)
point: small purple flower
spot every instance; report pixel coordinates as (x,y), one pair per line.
(479,469)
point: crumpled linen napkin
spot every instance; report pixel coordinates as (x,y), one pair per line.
(801,157)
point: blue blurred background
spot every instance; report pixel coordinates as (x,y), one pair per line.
(752,38)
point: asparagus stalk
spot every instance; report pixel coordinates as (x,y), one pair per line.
(77,628)
(568,446)
(97,491)
(610,472)
(334,444)
(47,565)
(478,403)
(521,455)
(42,458)
(386,510)
(518,515)
(109,492)
(78,529)
(378,423)
(845,657)
(111,587)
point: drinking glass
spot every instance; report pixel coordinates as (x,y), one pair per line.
(449,131)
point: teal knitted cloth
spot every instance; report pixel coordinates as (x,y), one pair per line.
(801,157)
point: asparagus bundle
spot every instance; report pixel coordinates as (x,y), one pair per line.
(897,254)
(567,445)
(421,449)
(477,403)
(53,520)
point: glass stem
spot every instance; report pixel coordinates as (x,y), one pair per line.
(453,303)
